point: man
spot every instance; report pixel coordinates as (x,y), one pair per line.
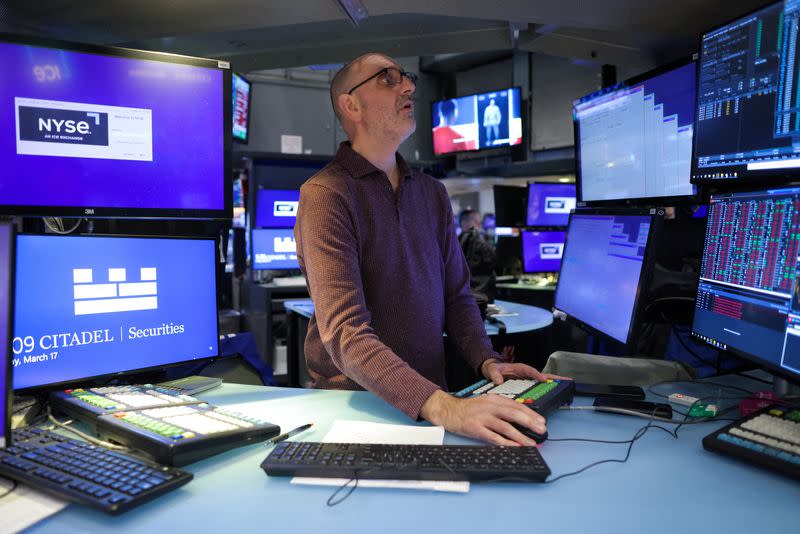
(377,245)
(445,138)
(479,253)
(491,121)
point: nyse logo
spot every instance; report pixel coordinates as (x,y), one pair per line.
(284,208)
(284,244)
(559,204)
(117,295)
(51,125)
(551,251)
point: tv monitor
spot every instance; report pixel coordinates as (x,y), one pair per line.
(509,206)
(273,249)
(748,113)
(6,327)
(91,306)
(94,131)
(276,208)
(542,251)
(241,108)
(633,141)
(607,260)
(748,296)
(476,122)
(549,204)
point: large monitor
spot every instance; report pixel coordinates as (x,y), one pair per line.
(88,306)
(633,141)
(6,327)
(276,208)
(509,206)
(476,122)
(241,108)
(549,204)
(748,106)
(106,132)
(542,251)
(607,261)
(748,297)
(273,249)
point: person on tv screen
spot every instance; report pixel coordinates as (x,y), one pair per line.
(492,117)
(445,138)
(376,242)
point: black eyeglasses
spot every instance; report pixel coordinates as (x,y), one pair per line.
(390,76)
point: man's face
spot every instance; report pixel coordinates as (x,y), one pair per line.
(388,110)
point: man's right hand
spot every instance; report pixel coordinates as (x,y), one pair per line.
(488,418)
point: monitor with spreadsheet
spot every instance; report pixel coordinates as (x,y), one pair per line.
(748,99)
(606,263)
(549,204)
(6,327)
(748,297)
(542,251)
(273,249)
(92,306)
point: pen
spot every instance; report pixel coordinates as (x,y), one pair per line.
(287,435)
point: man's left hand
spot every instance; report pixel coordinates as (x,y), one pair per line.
(498,371)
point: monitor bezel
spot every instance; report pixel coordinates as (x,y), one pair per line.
(54,386)
(246,139)
(8,400)
(540,229)
(99,212)
(252,254)
(516,88)
(645,276)
(640,201)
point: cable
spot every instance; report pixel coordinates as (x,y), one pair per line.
(637,414)
(87,437)
(10,490)
(331,500)
(56,225)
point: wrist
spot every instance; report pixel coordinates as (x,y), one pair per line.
(435,409)
(485,366)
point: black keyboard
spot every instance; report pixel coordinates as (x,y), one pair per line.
(768,438)
(80,472)
(477,463)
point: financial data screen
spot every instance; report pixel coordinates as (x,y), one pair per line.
(276,208)
(550,204)
(273,248)
(542,251)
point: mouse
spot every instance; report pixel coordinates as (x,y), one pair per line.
(535,436)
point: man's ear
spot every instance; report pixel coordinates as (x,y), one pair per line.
(349,107)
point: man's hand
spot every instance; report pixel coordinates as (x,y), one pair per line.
(497,372)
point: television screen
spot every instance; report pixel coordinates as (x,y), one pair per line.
(273,249)
(95,131)
(276,208)
(475,122)
(241,108)
(550,204)
(509,206)
(542,251)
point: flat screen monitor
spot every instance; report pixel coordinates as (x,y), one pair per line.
(748,297)
(103,132)
(542,251)
(6,327)
(748,105)
(476,122)
(550,204)
(509,206)
(241,108)
(273,249)
(276,208)
(88,306)
(607,260)
(633,141)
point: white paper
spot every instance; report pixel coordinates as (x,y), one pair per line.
(291,144)
(25,507)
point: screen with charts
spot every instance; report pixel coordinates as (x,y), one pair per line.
(550,204)
(542,251)
(103,132)
(93,306)
(241,108)
(273,248)
(748,107)
(601,269)
(276,208)
(748,298)
(634,140)
(5,315)
(475,122)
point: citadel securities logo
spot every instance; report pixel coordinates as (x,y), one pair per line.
(562,205)
(551,251)
(285,208)
(117,295)
(63,126)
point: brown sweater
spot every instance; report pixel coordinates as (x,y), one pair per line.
(387,278)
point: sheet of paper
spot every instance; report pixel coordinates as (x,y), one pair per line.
(25,507)
(344,431)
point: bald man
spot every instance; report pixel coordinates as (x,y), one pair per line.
(377,245)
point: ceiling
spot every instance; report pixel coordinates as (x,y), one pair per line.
(265,34)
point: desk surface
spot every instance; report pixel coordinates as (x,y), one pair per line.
(522,318)
(667,485)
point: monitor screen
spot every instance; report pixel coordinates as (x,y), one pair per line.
(748,112)
(748,297)
(601,269)
(634,140)
(550,204)
(90,306)
(509,206)
(475,122)
(241,108)
(273,249)
(542,251)
(96,131)
(276,208)
(6,270)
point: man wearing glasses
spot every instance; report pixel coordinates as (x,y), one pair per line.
(377,244)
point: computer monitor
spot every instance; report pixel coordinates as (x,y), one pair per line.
(273,249)
(93,131)
(633,141)
(748,297)
(476,122)
(549,204)
(6,327)
(748,112)
(606,264)
(241,108)
(90,306)
(542,251)
(509,206)
(276,208)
